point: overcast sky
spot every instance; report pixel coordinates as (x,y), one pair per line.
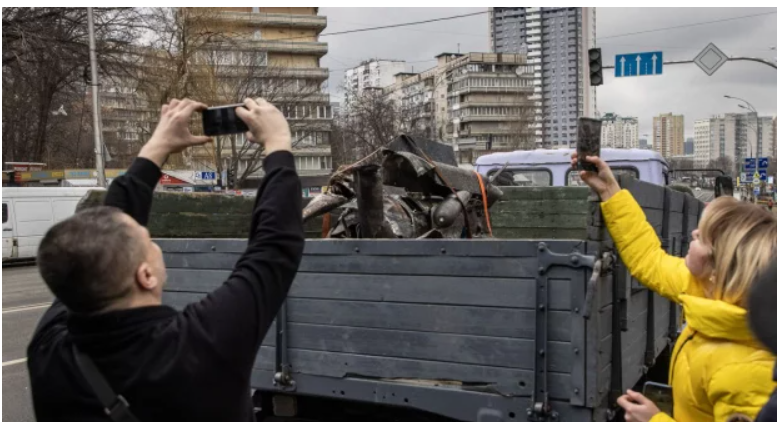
(682,89)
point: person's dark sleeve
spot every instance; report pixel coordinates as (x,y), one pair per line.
(133,191)
(769,412)
(234,318)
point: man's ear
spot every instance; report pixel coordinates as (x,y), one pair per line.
(145,277)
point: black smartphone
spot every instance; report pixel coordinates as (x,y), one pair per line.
(589,142)
(222,120)
(660,394)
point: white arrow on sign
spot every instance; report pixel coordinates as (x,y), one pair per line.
(654,64)
(639,59)
(623,66)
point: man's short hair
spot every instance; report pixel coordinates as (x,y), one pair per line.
(88,260)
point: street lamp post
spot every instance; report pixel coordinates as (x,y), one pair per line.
(98,147)
(751,108)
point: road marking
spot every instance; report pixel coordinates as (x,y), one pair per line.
(26,308)
(14,362)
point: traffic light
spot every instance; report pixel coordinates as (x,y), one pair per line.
(595,66)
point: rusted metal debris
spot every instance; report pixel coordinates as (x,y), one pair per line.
(406,197)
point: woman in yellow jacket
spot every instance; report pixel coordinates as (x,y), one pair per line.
(718,369)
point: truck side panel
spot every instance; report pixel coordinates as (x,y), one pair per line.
(458,314)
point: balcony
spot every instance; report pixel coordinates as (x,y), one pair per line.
(469,131)
(275,20)
(491,90)
(316,97)
(291,47)
(315,73)
(494,118)
(494,103)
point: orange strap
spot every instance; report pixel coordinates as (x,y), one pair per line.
(485,203)
(325,225)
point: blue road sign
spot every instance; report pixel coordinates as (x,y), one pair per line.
(750,164)
(763,162)
(762,174)
(206,175)
(756,191)
(639,64)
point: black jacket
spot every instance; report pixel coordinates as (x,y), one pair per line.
(768,413)
(193,365)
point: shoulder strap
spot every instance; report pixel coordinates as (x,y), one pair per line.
(115,406)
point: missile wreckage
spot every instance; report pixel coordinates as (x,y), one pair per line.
(410,189)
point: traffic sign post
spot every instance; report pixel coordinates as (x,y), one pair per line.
(639,64)
(710,59)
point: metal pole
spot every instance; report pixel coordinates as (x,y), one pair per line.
(98,149)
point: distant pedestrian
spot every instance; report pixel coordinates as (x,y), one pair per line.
(770,204)
(718,369)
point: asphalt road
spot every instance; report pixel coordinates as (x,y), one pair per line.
(25,298)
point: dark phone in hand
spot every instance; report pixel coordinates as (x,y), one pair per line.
(589,142)
(660,394)
(223,120)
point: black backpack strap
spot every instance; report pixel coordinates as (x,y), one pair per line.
(115,406)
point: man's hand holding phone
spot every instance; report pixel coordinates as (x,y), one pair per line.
(266,124)
(172,132)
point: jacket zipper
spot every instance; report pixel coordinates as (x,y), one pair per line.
(674,362)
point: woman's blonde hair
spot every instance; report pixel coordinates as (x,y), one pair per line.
(743,238)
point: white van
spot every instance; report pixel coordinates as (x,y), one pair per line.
(550,167)
(29,212)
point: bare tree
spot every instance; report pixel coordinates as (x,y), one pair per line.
(372,120)
(45,55)
(724,163)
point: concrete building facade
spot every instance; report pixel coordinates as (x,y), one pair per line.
(280,47)
(741,135)
(701,143)
(556,40)
(474,101)
(669,135)
(620,132)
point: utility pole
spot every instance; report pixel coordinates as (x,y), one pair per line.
(98,130)
(754,150)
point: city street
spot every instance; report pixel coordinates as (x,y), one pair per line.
(25,298)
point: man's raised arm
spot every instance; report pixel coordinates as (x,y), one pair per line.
(236,316)
(133,191)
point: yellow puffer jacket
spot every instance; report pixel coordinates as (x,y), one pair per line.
(718,369)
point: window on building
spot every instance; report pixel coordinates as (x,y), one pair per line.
(5,212)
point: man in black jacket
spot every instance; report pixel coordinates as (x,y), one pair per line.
(762,314)
(108,275)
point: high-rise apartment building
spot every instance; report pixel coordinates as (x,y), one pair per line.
(375,73)
(669,135)
(701,143)
(620,132)
(556,40)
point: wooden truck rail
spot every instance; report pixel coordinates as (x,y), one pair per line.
(472,330)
